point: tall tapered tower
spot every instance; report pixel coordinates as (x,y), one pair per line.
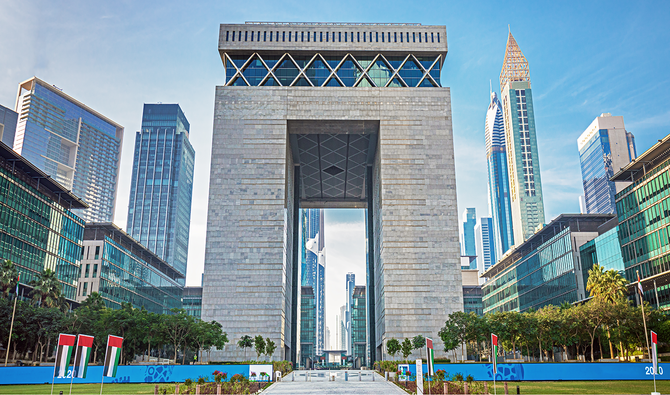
(523,164)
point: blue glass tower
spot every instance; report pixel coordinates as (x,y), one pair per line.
(498,185)
(314,267)
(159,211)
(75,145)
(469,245)
(604,148)
(486,244)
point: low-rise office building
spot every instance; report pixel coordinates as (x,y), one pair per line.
(543,270)
(643,210)
(38,230)
(122,270)
(472,291)
(604,250)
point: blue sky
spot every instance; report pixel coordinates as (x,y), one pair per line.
(585,58)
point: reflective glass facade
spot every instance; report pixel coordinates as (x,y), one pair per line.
(643,209)
(307,325)
(313,266)
(8,121)
(472,300)
(605,251)
(36,232)
(73,144)
(498,180)
(358,325)
(316,69)
(468,239)
(129,273)
(192,301)
(159,210)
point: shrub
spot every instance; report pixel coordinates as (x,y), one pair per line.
(188,382)
(469,379)
(441,375)
(201,380)
(284,367)
(238,378)
(457,377)
(219,376)
(166,389)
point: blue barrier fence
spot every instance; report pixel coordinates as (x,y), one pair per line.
(129,373)
(554,371)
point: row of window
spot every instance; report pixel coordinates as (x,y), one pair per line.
(652,218)
(302,36)
(657,188)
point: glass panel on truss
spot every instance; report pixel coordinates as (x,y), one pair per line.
(301,82)
(255,71)
(270,82)
(286,72)
(349,72)
(380,72)
(317,72)
(230,69)
(271,61)
(333,61)
(364,82)
(411,73)
(239,82)
(426,83)
(333,82)
(364,61)
(396,83)
(395,61)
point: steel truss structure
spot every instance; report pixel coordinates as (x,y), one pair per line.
(243,76)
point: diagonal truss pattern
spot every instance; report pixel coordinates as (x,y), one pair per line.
(515,65)
(317,70)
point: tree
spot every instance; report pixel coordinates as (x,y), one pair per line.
(259,345)
(419,342)
(46,289)
(406,348)
(176,327)
(245,342)
(270,348)
(449,336)
(610,286)
(8,277)
(392,346)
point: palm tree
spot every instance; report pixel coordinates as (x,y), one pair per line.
(8,277)
(608,286)
(46,289)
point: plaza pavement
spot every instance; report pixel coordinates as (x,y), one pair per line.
(345,382)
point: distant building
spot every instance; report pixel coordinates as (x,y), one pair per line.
(469,222)
(313,266)
(350,285)
(192,301)
(498,180)
(337,333)
(544,269)
(343,328)
(604,148)
(75,145)
(486,243)
(307,325)
(327,346)
(472,292)
(161,189)
(358,326)
(8,121)
(643,211)
(38,229)
(122,270)
(523,162)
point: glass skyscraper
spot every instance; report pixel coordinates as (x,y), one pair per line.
(604,147)
(358,325)
(307,325)
(468,239)
(498,180)
(314,267)
(486,244)
(75,145)
(159,210)
(350,285)
(523,162)
(8,121)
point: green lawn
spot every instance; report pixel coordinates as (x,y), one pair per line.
(583,387)
(78,389)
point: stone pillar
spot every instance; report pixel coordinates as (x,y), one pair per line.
(218,389)
(176,388)
(156,390)
(506,389)
(197,389)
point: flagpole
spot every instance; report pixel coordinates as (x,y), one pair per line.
(102,381)
(11,327)
(644,318)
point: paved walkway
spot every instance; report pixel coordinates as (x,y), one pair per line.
(345,382)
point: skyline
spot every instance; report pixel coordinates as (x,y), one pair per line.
(562,112)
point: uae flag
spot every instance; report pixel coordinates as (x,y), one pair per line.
(112,356)
(430,356)
(82,355)
(63,355)
(494,351)
(654,351)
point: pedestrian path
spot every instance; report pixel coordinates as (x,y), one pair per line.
(333,382)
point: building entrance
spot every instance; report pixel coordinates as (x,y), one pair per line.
(279,148)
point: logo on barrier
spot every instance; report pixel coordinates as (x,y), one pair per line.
(508,372)
(158,374)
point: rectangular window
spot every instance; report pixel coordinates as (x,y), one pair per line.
(85,288)
(227,32)
(245,35)
(95,270)
(302,37)
(290,36)
(426,37)
(340,36)
(239,36)
(271,36)
(80,284)
(83,249)
(432,38)
(97,252)
(265,36)
(88,267)
(413,37)
(358,34)
(346,36)
(252,36)
(407,36)
(395,37)
(438,37)
(377,36)
(389,37)
(283,36)
(419,37)
(370,36)
(233,36)
(314,37)
(401,37)
(321,37)
(382,36)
